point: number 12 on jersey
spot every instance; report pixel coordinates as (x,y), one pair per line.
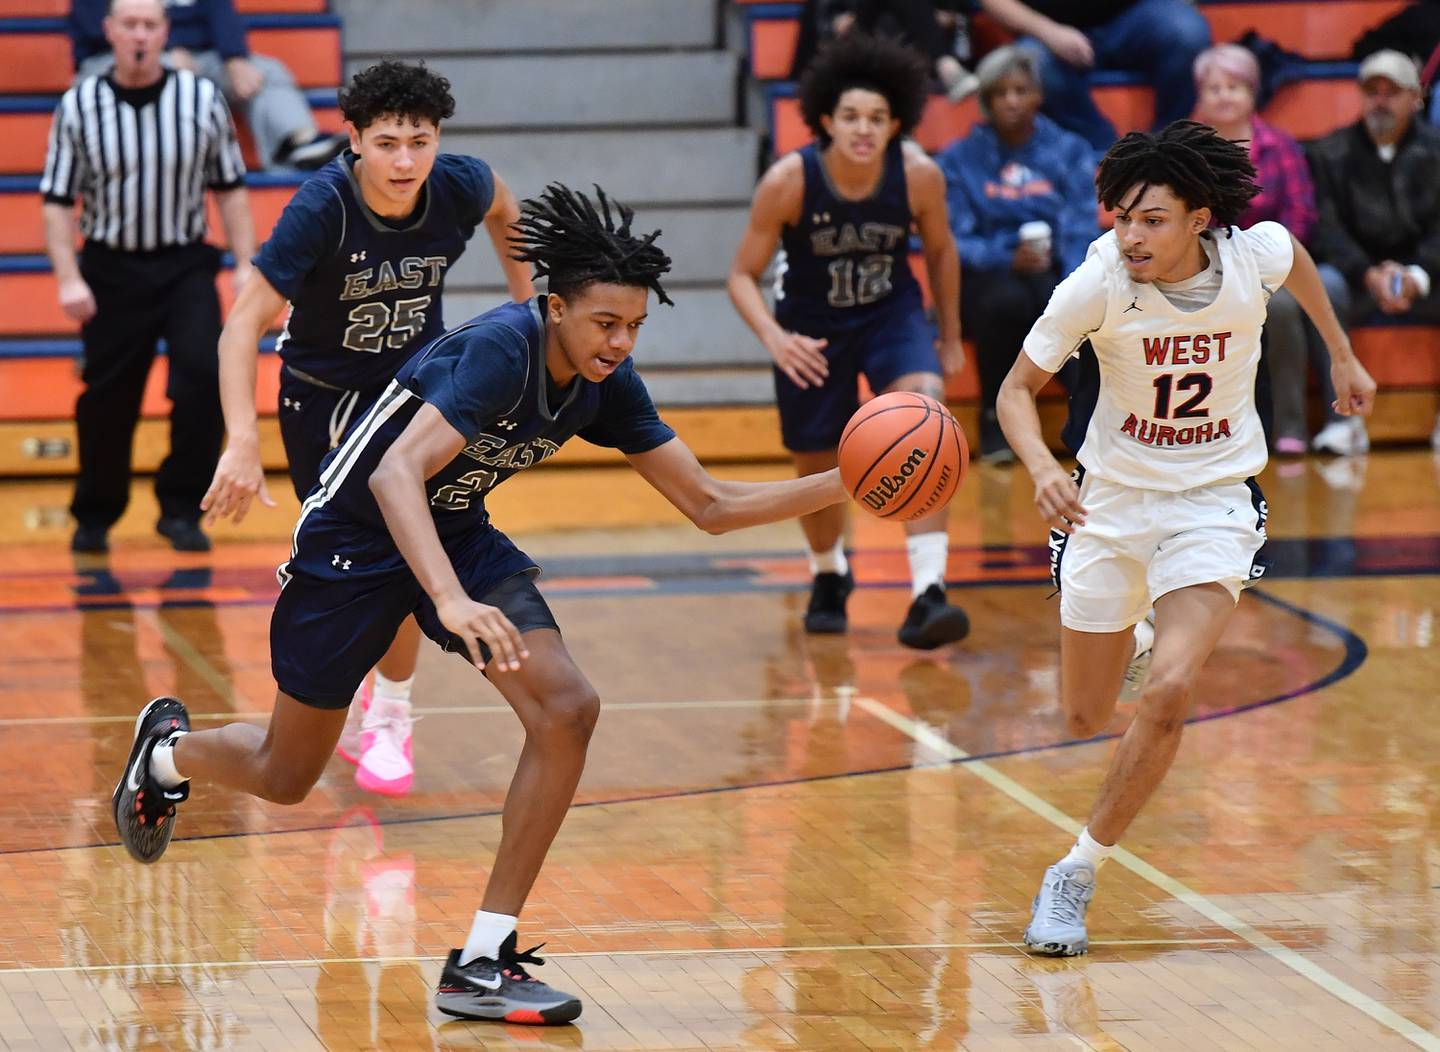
(866,283)
(1200,383)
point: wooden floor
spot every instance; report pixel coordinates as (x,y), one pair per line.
(781,842)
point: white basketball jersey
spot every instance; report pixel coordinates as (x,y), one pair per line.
(1176,406)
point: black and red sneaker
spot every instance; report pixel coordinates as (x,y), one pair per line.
(144,809)
(502,990)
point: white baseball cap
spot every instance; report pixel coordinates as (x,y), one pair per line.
(1393,66)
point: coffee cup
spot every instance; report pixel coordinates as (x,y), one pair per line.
(1036,234)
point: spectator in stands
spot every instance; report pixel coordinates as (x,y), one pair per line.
(935,28)
(1156,38)
(1227,81)
(140,146)
(1378,236)
(207,38)
(1021,195)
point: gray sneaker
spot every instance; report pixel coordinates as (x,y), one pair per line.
(1057,919)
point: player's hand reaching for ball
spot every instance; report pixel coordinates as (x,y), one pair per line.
(476,623)
(1058,499)
(239,479)
(800,358)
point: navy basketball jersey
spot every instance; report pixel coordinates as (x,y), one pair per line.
(846,259)
(365,291)
(488,379)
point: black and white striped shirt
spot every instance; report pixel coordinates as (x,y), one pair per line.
(141,159)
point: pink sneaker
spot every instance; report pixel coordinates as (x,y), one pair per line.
(348,747)
(387,753)
(1289,446)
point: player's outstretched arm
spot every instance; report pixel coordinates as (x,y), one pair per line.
(239,476)
(718,507)
(426,445)
(1056,495)
(777,201)
(1354,387)
(504,210)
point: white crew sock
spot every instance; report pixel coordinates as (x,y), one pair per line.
(1088,849)
(833,561)
(486,935)
(928,553)
(393,689)
(162,762)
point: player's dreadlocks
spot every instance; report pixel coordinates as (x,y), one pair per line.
(876,64)
(396,89)
(1201,168)
(575,245)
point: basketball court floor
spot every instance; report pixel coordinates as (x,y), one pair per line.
(781,842)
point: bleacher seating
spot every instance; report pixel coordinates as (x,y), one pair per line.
(1310,101)
(685,161)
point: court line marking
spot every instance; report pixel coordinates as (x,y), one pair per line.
(701,951)
(1292,959)
(421,710)
(197,661)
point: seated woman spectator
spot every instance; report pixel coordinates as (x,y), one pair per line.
(1021,193)
(1227,78)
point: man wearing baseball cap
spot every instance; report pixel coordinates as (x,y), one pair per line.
(1378,194)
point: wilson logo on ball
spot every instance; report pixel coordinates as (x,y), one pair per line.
(890,486)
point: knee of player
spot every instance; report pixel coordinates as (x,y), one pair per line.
(285,786)
(1164,701)
(570,712)
(1083,723)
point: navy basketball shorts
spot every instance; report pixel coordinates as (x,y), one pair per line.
(313,419)
(894,341)
(346,589)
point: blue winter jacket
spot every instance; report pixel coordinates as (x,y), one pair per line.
(992,190)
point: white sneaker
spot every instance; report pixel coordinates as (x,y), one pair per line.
(387,757)
(349,744)
(1435,435)
(1140,662)
(1346,437)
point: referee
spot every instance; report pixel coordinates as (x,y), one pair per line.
(140,146)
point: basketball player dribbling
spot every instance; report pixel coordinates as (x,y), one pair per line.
(848,304)
(361,253)
(397,526)
(1163,509)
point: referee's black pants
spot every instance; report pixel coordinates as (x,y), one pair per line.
(141,298)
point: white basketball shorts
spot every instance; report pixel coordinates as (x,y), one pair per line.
(1139,544)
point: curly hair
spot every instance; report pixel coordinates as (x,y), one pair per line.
(396,89)
(575,244)
(1201,168)
(878,64)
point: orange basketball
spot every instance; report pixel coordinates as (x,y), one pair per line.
(903,456)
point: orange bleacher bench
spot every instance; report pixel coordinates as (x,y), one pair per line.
(60,8)
(25,130)
(22,231)
(35,57)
